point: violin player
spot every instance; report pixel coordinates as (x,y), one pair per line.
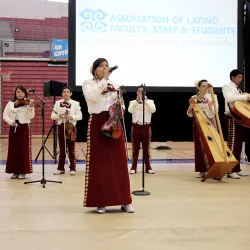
(235,131)
(18,113)
(136,109)
(106,180)
(67,113)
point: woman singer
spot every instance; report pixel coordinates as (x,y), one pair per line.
(106,179)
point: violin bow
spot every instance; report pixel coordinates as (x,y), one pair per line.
(65,143)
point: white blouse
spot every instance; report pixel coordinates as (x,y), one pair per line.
(74,110)
(23,114)
(203,104)
(136,109)
(97,95)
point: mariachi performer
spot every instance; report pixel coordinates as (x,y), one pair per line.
(136,109)
(67,113)
(206,104)
(235,131)
(106,179)
(18,114)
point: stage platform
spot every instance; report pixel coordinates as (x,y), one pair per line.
(181,212)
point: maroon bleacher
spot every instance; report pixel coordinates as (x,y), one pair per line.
(32,75)
(39,29)
(45,54)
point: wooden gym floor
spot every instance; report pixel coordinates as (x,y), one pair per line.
(181,213)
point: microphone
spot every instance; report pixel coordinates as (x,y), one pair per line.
(31,90)
(113,68)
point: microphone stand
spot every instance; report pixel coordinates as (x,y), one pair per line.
(43,181)
(142,192)
(123,121)
(54,126)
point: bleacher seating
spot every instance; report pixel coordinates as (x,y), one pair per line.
(45,54)
(34,37)
(37,29)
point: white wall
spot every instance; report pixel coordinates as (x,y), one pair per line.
(32,9)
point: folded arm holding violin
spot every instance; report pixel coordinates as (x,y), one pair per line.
(24,115)
(74,117)
(31,108)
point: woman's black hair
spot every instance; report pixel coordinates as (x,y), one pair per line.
(21,87)
(201,81)
(96,64)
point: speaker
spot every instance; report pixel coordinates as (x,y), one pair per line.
(53,88)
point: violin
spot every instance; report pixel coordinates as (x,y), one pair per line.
(70,130)
(112,127)
(23,102)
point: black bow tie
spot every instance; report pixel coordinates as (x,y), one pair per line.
(240,91)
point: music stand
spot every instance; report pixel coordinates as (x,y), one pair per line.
(43,181)
(54,126)
(142,192)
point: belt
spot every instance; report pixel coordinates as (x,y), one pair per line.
(140,123)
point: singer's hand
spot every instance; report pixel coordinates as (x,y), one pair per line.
(32,103)
(13,124)
(139,98)
(62,116)
(106,73)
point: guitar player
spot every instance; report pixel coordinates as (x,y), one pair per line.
(235,131)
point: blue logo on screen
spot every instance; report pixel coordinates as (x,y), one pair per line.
(93,20)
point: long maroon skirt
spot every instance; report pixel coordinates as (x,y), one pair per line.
(19,159)
(106,179)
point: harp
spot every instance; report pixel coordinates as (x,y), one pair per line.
(219,159)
